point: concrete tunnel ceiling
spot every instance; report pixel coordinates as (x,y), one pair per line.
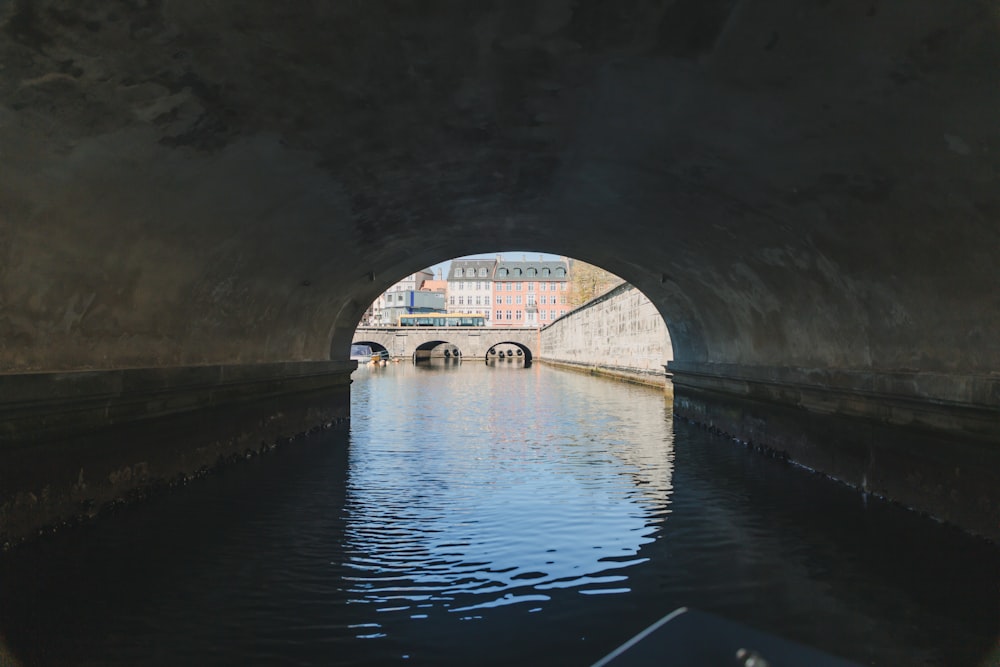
(794,183)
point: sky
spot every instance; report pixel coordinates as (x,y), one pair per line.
(508,254)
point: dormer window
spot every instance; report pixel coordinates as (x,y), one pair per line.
(560,272)
(517,272)
(531,272)
(458,273)
(502,272)
(482,272)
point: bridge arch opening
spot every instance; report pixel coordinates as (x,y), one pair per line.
(376,347)
(436,349)
(509,351)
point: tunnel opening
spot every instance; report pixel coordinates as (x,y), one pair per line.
(534,294)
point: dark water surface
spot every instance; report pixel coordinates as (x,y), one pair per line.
(505,515)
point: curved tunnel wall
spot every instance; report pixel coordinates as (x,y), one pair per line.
(807,192)
(777,220)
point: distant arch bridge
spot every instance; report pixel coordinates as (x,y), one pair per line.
(472,342)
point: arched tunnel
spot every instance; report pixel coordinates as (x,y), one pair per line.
(198,201)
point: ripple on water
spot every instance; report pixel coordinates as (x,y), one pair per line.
(476,517)
(499,516)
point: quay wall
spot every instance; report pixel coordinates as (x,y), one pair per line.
(619,334)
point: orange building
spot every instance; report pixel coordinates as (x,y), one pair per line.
(529,294)
(434,286)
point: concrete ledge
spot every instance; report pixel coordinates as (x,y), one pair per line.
(941,458)
(964,404)
(73,443)
(40,406)
(639,376)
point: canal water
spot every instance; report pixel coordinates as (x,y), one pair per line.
(496,515)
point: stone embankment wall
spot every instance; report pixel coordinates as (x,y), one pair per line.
(619,334)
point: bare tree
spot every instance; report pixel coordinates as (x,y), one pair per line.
(588,281)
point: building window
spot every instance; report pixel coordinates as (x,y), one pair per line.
(562,300)
(517,272)
(531,272)
(509,300)
(562,286)
(531,299)
(517,286)
(501,272)
(479,284)
(519,313)
(499,299)
(482,272)
(509,315)
(531,287)
(543,286)
(544,299)
(545,272)
(561,313)
(560,272)
(461,300)
(543,314)
(518,300)
(499,315)
(458,273)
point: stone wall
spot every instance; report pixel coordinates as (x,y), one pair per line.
(620,333)
(74,444)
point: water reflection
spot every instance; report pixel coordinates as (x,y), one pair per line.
(502,501)
(497,516)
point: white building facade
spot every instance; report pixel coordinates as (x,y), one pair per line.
(470,287)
